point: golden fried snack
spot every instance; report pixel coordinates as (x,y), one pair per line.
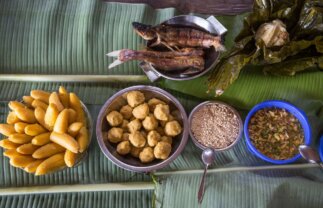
(161,112)
(27,149)
(54,98)
(41,139)
(31,167)
(167,139)
(12,118)
(153,138)
(141,111)
(7,144)
(137,139)
(170,118)
(61,123)
(123,147)
(51,164)
(162,150)
(71,115)
(34,129)
(20,138)
(114,118)
(20,127)
(75,103)
(11,153)
(40,117)
(28,100)
(83,139)
(150,122)
(115,135)
(146,155)
(14,105)
(153,102)
(126,111)
(66,141)
(135,98)
(70,158)
(40,95)
(173,128)
(64,96)
(51,116)
(26,115)
(39,103)
(134,125)
(74,128)
(48,150)
(7,129)
(21,161)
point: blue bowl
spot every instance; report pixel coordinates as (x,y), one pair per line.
(321,148)
(298,113)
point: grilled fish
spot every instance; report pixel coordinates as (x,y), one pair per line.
(174,37)
(166,61)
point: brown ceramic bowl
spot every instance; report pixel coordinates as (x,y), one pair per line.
(128,162)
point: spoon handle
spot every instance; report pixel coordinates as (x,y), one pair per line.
(200,194)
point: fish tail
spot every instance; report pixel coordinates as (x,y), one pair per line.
(115,63)
(115,54)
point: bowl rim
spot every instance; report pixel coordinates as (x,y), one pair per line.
(297,112)
(148,168)
(199,106)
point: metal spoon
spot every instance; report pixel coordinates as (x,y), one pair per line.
(208,157)
(310,154)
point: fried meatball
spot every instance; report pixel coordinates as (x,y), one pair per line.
(153,138)
(125,137)
(124,125)
(134,125)
(153,102)
(135,151)
(167,139)
(114,118)
(123,147)
(146,155)
(161,112)
(150,122)
(173,128)
(137,139)
(141,111)
(135,98)
(126,111)
(115,135)
(162,150)
(170,118)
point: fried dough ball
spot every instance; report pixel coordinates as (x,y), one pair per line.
(124,125)
(123,147)
(160,130)
(137,139)
(170,118)
(125,137)
(135,98)
(173,128)
(135,151)
(162,150)
(153,138)
(114,118)
(161,112)
(150,122)
(153,102)
(126,111)
(167,139)
(134,125)
(146,155)
(141,111)
(115,135)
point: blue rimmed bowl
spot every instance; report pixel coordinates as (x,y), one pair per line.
(298,113)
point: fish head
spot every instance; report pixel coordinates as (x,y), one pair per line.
(144,31)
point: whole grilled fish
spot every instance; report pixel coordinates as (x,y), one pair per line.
(166,61)
(174,37)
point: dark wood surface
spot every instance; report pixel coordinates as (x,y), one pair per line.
(217,7)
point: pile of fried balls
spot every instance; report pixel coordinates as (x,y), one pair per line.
(144,130)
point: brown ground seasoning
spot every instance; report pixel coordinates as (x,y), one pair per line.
(276,133)
(215,125)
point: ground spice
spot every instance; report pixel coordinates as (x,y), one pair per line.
(276,133)
(215,125)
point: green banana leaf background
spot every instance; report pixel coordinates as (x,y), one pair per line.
(72,37)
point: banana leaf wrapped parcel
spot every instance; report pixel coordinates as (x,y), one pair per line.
(282,36)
